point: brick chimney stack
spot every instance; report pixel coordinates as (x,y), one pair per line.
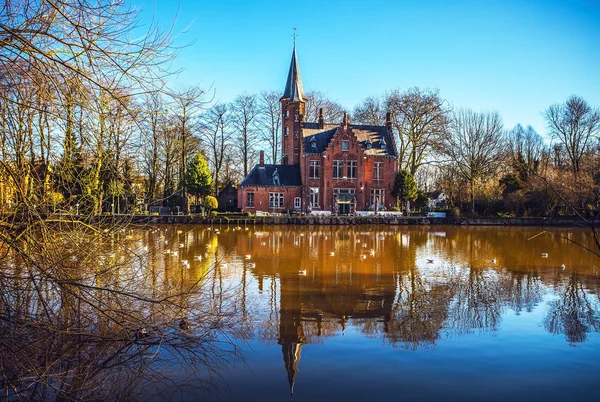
(388,121)
(262,159)
(321,119)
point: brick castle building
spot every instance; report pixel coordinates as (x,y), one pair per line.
(337,167)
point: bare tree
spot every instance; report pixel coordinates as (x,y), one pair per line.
(78,309)
(574,124)
(153,118)
(527,149)
(245,111)
(333,112)
(371,111)
(270,121)
(215,132)
(474,144)
(186,106)
(420,118)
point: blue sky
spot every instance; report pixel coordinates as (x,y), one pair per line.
(514,56)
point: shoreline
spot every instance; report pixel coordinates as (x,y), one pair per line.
(567,221)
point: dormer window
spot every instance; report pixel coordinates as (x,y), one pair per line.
(369,145)
(313,143)
(276,178)
(382,143)
(345,145)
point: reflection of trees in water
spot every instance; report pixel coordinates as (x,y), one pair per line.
(399,296)
(477,303)
(575,313)
(84,315)
(420,311)
(521,292)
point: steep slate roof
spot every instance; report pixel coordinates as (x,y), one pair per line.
(375,140)
(321,139)
(289,176)
(293,87)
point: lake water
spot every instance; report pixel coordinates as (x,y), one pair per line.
(396,313)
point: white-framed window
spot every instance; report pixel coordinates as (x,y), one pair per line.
(276,200)
(337,169)
(287,131)
(378,171)
(314,169)
(314,197)
(377,194)
(343,191)
(297,203)
(345,145)
(250,199)
(352,169)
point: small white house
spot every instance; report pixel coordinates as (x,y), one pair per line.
(439,201)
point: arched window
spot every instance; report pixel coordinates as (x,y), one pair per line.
(297,203)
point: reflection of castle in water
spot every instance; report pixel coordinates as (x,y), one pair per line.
(325,281)
(301,305)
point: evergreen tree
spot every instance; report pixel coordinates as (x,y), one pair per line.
(198,180)
(405,188)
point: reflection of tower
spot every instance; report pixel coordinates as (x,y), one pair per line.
(291,333)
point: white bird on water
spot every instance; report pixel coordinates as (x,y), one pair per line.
(563,266)
(302,272)
(544,255)
(248,256)
(332,254)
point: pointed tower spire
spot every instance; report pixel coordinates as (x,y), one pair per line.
(293,87)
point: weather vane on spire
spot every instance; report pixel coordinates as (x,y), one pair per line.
(294,35)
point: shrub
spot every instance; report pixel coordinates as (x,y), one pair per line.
(209,203)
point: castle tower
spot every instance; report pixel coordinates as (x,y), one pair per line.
(292,109)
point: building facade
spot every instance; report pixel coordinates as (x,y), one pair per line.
(335,167)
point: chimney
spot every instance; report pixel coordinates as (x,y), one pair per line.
(388,121)
(321,119)
(346,120)
(262,159)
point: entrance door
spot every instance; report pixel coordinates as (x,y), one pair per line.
(344,209)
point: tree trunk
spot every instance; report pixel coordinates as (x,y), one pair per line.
(472,196)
